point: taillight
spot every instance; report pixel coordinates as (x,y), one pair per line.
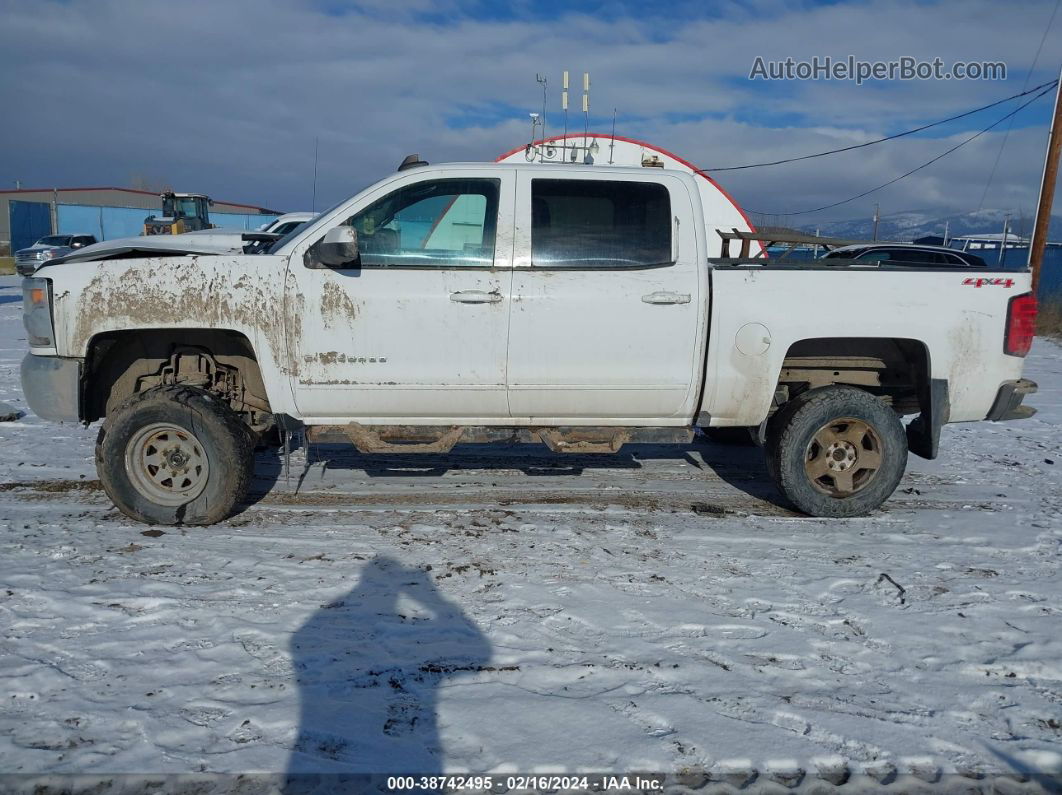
(1021,325)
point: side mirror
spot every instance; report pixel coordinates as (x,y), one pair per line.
(339,247)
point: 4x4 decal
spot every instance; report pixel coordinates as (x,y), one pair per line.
(982,281)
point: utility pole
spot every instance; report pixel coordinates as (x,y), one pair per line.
(946,225)
(876,218)
(1047,190)
(1003,242)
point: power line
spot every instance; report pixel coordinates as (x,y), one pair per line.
(1006,133)
(943,154)
(1023,93)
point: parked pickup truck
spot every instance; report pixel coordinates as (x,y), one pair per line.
(27,260)
(578,306)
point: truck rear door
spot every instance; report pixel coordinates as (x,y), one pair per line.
(609,299)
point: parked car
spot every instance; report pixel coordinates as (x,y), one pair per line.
(238,239)
(27,260)
(908,254)
(575,306)
(286,223)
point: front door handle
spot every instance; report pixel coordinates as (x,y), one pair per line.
(475,297)
(662,297)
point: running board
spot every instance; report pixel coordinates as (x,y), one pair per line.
(442,439)
(583,441)
(382,440)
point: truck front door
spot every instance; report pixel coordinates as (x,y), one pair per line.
(415,330)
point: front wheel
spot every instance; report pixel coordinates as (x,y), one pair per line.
(175,455)
(839,452)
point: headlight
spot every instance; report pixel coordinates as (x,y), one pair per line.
(37,312)
(49,253)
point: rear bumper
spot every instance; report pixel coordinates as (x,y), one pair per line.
(52,387)
(1008,401)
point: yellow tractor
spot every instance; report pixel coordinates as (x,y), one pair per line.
(181,212)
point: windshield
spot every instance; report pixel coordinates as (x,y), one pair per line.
(54,240)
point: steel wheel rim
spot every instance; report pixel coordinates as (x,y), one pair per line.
(843,457)
(167,464)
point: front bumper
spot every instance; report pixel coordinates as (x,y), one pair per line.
(1008,401)
(52,387)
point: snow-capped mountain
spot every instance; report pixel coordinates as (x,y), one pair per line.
(911,225)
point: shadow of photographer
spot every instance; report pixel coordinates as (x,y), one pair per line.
(368,667)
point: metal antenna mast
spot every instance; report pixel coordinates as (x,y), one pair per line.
(612,143)
(564,107)
(542,80)
(313,201)
(586,106)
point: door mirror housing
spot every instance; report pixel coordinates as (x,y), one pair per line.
(339,247)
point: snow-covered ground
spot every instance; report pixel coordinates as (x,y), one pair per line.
(501,610)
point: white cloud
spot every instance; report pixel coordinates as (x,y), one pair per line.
(228,97)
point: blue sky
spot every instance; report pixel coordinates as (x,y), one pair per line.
(227,98)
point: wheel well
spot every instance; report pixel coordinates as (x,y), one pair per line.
(894,369)
(120,364)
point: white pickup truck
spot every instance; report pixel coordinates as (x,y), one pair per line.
(579,306)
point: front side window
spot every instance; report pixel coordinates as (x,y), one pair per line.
(599,224)
(444,223)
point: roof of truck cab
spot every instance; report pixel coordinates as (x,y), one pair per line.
(573,167)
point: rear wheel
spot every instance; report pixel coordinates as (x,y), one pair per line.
(837,451)
(175,455)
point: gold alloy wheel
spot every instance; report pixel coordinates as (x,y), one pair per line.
(843,457)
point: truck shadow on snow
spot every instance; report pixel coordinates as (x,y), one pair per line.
(369,666)
(740,467)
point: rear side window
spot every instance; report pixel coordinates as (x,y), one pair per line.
(904,256)
(599,224)
(966,260)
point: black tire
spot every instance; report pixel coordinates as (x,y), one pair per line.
(773,431)
(222,447)
(794,453)
(739,435)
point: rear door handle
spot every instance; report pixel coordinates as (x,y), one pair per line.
(662,297)
(475,297)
